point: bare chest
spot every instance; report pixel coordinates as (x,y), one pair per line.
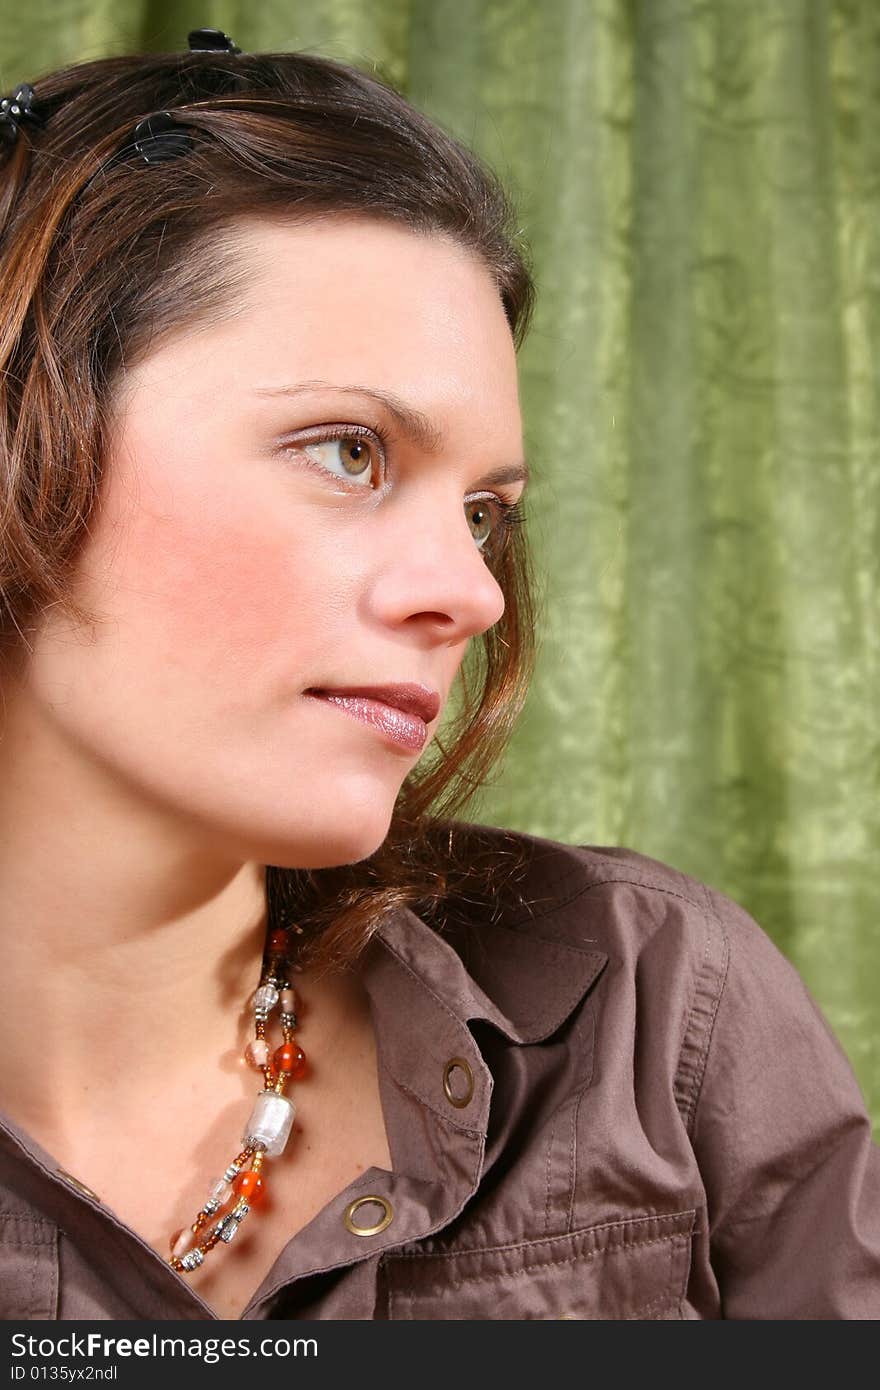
(327,1150)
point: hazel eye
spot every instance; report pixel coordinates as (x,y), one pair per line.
(481,520)
(494,520)
(348,456)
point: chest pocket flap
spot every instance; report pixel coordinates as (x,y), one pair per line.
(636,1268)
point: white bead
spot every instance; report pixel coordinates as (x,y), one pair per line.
(266,997)
(288,1001)
(270,1122)
(221,1191)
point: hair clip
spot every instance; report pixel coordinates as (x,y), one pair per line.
(210,41)
(17,111)
(159,137)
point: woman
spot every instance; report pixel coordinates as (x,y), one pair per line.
(262,477)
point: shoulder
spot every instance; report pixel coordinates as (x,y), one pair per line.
(705,1076)
(674,960)
(612,897)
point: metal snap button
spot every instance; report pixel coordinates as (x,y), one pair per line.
(461,1096)
(383,1202)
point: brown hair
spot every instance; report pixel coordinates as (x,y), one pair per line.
(102,256)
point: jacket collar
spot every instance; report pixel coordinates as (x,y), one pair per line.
(524,976)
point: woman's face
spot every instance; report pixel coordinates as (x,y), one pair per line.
(237,560)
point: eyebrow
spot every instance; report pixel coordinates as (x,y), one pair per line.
(416,426)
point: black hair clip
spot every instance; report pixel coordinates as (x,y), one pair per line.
(159,137)
(210,41)
(17,111)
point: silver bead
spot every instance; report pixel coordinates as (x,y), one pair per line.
(211,1206)
(265,998)
(229,1231)
(231,1173)
(192,1259)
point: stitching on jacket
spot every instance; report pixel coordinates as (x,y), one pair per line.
(572,1176)
(621,871)
(554,1264)
(725,966)
(581,892)
(708,989)
(572,1156)
(625,877)
(548,1166)
(673,1240)
(33,1269)
(621,1225)
(41,1223)
(571,1108)
(683,1081)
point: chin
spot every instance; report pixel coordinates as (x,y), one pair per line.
(343,821)
(327,851)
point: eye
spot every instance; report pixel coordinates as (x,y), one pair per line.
(481,519)
(493,521)
(352,455)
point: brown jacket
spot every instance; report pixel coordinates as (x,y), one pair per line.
(609,1096)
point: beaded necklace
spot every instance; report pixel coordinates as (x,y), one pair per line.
(268,1129)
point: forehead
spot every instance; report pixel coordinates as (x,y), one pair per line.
(355,299)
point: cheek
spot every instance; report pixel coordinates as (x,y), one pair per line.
(218,591)
(223,591)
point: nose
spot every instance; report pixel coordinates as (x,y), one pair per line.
(435,577)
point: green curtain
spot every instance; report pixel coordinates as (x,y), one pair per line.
(700,186)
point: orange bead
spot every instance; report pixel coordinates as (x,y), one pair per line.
(249,1185)
(278,940)
(289,1057)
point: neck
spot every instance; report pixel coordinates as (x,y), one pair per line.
(131,941)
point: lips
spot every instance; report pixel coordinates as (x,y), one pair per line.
(409,698)
(403,729)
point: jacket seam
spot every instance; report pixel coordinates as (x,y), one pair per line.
(573,1150)
(621,872)
(675,1238)
(708,989)
(620,1225)
(585,888)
